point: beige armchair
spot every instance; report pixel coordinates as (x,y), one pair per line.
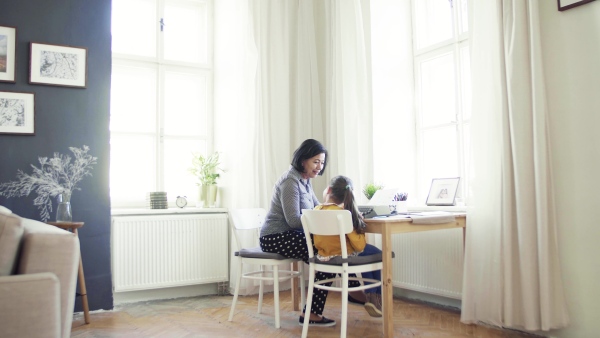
(38,278)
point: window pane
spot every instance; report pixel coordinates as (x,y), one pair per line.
(132,167)
(177,161)
(133,99)
(465,65)
(433,21)
(464,16)
(438,93)
(440,156)
(134,25)
(185,103)
(186,31)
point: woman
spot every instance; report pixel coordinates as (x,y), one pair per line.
(282,232)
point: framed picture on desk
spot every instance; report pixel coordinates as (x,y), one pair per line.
(443,191)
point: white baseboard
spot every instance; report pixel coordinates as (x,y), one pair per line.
(165,293)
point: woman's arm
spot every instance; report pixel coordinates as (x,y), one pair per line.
(291,201)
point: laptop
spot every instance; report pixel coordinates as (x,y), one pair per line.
(379,204)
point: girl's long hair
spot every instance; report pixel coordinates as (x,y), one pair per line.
(341,192)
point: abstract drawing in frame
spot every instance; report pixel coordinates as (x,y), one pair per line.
(442,191)
(58,65)
(17,113)
(8,48)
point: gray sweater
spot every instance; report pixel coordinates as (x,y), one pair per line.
(291,194)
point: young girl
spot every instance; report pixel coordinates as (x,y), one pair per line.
(338,196)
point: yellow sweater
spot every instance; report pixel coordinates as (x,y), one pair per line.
(330,246)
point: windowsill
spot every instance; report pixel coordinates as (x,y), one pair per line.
(169,211)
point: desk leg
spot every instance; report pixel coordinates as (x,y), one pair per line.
(387,288)
(82,289)
(295,299)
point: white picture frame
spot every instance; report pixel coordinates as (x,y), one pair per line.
(443,191)
(58,65)
(17,113)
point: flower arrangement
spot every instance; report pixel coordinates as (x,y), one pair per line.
(55,176)
(205,168)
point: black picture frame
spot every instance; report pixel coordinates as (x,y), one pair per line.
(17,113)
(563,5)
(8,52)
(57,65)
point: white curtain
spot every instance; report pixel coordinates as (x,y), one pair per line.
(286,71)
(348,91)
(512,276)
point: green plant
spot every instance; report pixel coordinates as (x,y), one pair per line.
(370,188)
(206,168)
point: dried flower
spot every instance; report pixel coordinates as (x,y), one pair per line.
(55,176)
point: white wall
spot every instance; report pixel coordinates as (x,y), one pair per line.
(571,52)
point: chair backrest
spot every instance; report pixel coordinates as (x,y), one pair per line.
(246,219)
(326,223)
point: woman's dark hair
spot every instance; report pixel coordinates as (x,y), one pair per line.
(341,191)
(308,149)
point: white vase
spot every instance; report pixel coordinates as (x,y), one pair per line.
(207,196)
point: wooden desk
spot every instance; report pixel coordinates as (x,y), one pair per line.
(73,226)
(387,227)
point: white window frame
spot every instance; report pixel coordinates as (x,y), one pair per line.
(162,65)
(454,46)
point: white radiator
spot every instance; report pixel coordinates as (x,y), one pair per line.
(429,262)
(157,251)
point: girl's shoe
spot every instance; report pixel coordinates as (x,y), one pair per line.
(373,305)
(353,300)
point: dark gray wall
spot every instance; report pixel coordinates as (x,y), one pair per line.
(67,117)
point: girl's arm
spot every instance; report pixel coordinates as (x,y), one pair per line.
(357,241)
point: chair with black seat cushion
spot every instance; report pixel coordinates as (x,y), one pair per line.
(251,219)
(335,223)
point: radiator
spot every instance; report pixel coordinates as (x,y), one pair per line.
(157,251)
(429,262)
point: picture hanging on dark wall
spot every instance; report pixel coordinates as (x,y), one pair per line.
(17,113)
(563,5)
(8,47)
(58,65)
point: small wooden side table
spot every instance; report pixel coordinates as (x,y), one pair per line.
(73,226)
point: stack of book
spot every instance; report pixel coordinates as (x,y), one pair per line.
(157,200)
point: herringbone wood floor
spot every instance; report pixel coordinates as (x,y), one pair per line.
(207,317)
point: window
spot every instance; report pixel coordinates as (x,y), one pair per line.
(161,97)
(442,89)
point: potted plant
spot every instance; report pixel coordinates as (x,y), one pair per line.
(370,188)
(206,169)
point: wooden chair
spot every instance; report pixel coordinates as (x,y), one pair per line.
(338,223)
(244,220)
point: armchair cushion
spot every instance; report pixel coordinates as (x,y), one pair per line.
(11,232)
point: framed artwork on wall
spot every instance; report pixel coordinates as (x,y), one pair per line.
(58,65)
(563,5)
(17,113)
(443,191)
(8,48)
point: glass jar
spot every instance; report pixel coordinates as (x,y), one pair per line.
(63,211)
